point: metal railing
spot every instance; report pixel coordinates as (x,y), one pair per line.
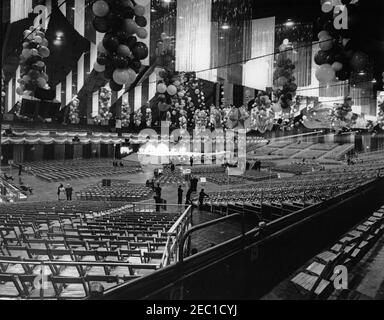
(175,235)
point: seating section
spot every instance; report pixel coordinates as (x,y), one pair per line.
(58,171)
(120,190)
(304,189)
(297,167)
(74,249)
(339,151)
(317,277)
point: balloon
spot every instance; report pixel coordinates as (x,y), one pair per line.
(44,43)
(161,88)
(326,43)
(40,64)
(20,91)
(135,65)
(101,24)
(111,43)
(98,67)
(337,66)
(128,13)
(34,52)
(325,73)
(44,52)
(100,8)
(38,39)
(124,76)
(140,50)
(41,82)
(130,41)
(26,53)
(26,78)
(139,10)
(142,33)
(327,6)
(141,21)
(101,48)
(114,86)
(321,57)
(120,62)
(27,34)
(281,81)
(359,61)
(172,90)
(322,34)
(130,26)
(124,51)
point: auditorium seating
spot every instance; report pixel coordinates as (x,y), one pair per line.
(120,190)
(71,247)
(58,171)
(315,279)
(304,189)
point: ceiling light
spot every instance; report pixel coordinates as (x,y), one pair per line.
(289,23)
(225,27)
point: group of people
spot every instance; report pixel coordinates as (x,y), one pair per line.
(64,192)
(188,200)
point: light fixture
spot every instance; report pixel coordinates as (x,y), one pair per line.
(374,81)
(361,73)
(289,23)
(225,27)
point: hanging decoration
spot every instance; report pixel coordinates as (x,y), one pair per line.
(125,114)
(74,111)
(284,80)
(262,114)
(215,120)
(32,66)
(3,94)
(380,115)
(340,55)
(120,53)
(105,96)
(237,117)
(183,120)
(148,116)
(137,117)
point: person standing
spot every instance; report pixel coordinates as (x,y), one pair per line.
(191,161)
(180,195)
(202,195)
(188,197)
(60,191)
(158,190)
(69,191)
(20,169)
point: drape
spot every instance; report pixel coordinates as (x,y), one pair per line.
(258,73)
(20,9)
(193,38)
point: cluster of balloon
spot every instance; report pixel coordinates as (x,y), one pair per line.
(74,111)
(120,53)
(284,79)
(125,114)
(380,102)
(339,56)
(148,116)
(32,65)
(137,117)
(165,52)
(262,114)
(3,94)
(343,111)
(105,115)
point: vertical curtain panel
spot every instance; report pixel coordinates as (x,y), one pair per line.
(258,71)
